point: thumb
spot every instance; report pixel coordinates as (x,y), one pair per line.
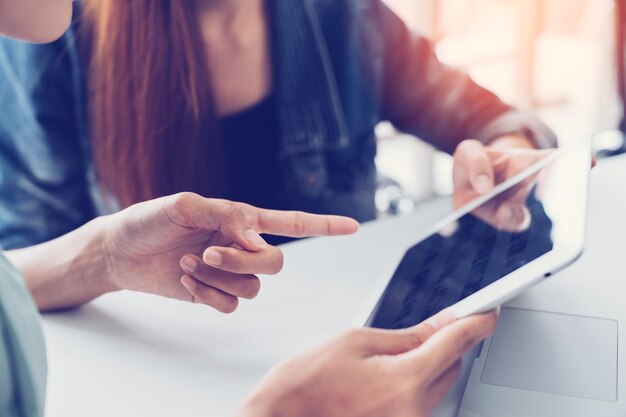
(395,342)
(193,211)
(473,157)
(447,346)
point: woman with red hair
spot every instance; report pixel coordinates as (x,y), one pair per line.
(272,103)
(361,373)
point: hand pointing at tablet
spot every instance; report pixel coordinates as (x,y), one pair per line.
(182,246)
(370,372)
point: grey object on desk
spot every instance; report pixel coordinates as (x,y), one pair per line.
(527,353)
(568,363)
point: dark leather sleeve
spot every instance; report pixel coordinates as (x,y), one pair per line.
(438,103)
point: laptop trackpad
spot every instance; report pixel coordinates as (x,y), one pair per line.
(554,353)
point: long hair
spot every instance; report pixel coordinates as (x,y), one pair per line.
(152,117)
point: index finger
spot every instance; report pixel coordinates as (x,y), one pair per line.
(300,224)
(449,344)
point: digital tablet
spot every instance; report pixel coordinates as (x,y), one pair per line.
(491,249)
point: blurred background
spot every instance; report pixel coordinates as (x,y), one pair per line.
(556,58)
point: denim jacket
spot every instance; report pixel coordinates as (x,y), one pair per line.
(340,68)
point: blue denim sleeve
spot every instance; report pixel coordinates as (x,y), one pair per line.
(43,186)
(438,103)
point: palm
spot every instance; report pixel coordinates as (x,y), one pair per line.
(148,247)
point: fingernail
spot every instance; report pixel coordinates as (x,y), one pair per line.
(482,183)
(441,319)
(189,283)
(212,257)
(254,238)
(189,264)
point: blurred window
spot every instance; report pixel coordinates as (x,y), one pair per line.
(553,57)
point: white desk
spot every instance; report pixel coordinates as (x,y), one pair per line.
(137,355)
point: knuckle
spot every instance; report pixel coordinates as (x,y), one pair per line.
(228,304)
(357,338)
(482,327)
(234,214)
(461,147)
(465,145)
(278,263)
(351,335)
(183,200)
(474,143)
(416,338)
(242,207)
(180,206)
(203,296)
(300,223)
(251,288)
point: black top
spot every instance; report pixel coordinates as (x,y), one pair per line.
(339,67)
(250,139)
(251,143)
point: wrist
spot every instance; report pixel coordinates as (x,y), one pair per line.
(84,263)
(68,271)
(96,268)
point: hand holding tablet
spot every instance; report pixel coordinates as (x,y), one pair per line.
(478,169)
(372,372)
(473,260)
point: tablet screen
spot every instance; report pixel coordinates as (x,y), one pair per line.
(505,233)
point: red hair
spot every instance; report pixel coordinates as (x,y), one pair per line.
(152,116)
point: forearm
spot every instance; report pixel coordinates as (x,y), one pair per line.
(68,271)
(440,104)
(424,97)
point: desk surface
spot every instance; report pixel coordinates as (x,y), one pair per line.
(130,354)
